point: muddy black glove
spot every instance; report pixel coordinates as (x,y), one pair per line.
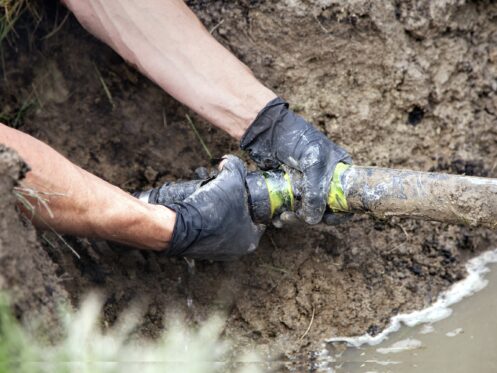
(277,136)
(214,222)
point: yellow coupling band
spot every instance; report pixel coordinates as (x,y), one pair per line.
(280,192)
(336,198)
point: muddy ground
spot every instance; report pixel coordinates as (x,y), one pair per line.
(27,272)
(406,84)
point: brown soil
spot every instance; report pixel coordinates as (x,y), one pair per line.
(399,84)
(28,275)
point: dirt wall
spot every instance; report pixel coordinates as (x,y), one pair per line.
(406,84)
(28,276)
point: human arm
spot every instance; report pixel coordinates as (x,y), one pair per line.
(82,204)
(213,223)
(167,42)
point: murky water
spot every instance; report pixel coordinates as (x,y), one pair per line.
(459,337)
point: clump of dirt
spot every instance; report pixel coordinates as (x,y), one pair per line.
(28,275)
(406,84)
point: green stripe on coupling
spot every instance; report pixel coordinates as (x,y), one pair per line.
(337,201)
(280,192)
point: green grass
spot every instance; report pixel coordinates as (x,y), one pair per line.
(86,348)
(199,137)
(11,11)
(105,87)
(16,118)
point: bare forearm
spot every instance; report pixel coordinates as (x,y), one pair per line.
(70,200)
(167,42)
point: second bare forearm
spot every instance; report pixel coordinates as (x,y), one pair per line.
(70,200)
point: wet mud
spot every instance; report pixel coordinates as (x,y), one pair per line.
(399,84)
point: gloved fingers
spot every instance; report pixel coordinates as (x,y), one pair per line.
(232,165)
(347,159)
(336,218)
(314,195)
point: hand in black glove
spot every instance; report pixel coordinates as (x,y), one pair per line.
(277,136)
(214,222)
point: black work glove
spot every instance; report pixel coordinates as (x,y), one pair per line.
(277,136)
(214,222)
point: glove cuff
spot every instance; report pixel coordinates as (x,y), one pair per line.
(257,139)
(184,233)
(148,196)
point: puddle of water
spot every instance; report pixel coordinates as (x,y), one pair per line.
(432,341)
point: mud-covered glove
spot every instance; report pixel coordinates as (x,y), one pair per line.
(277,136)
(214,222)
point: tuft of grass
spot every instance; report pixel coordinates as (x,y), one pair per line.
(25,195)
(11,11)
(86,348)
(22,194)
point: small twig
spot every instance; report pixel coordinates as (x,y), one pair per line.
(216,26)
(64,277)
(395,248)
(271,239)
(321,25)
(309,327)
(2,59)
(62,239)
(105,87)
(282,270)
(190,262)
(403,230)
(37,193)
(164,118)
(37,96)
(493,168)
(198,136)
(45,238)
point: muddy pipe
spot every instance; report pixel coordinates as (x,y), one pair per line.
(380,192)
(454,199)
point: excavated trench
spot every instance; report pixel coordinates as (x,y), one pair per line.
(400,84)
